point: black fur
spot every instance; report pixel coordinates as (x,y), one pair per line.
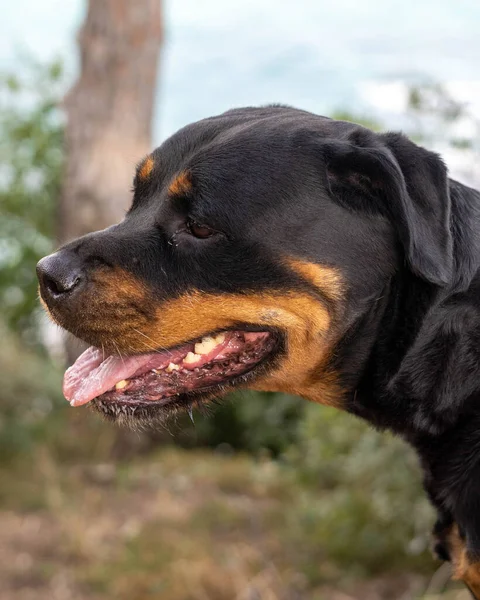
(279,182)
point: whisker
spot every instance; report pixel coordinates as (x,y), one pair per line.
(119,353)
(154,349)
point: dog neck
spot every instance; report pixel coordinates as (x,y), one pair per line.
(381,339)
(412,339)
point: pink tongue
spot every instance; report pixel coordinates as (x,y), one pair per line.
(90,376)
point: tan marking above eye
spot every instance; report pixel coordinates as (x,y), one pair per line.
(181,184)
(146,168)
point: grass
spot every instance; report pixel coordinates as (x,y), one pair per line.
(182,525)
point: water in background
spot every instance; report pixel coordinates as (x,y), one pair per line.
(314,54)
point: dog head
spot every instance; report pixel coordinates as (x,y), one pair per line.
(255,242)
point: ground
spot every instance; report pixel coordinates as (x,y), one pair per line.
(177,526)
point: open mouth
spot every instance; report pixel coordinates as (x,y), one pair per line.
(166,378)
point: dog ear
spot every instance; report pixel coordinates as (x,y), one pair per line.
(390,175)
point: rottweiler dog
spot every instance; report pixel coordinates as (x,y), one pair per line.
(273,249)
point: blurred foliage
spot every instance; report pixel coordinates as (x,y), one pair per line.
(30,398)
(438,117)
(368,484)
(31,159)
(258,422)
(433,99)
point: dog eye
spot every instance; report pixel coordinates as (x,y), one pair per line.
(199,231)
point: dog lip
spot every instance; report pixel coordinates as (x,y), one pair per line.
(156,411)
(159,375)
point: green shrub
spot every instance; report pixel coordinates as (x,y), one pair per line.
(31,159)
(370,511)
(30,394)
(253,421)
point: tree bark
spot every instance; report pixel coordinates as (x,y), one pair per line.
(109,112)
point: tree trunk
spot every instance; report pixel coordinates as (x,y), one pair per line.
(109,113)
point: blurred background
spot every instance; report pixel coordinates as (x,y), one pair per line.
(267,497)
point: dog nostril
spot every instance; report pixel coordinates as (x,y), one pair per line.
(57,287)
(51,285)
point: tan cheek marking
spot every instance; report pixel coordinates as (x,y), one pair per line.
(304,319)
(114,284)
(118,303)
(303,371)
(181,185)
(195,313)
(146,168)
(326,279)
(463,568)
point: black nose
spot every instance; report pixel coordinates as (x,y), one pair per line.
(59,274)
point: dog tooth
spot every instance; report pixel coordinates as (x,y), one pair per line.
(191,358)
(205,346)
(219,338)
(121,384)
(172,367)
